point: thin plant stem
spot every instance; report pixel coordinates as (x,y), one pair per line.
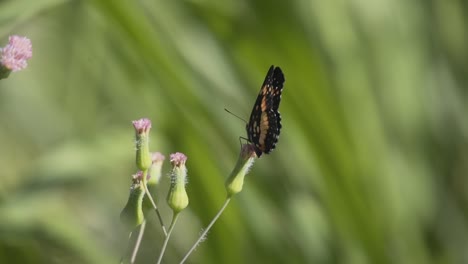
(128,244)
(163,249)
(138,241)
(202,236)
(153,203)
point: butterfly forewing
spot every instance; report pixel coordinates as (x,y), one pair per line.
(264,124)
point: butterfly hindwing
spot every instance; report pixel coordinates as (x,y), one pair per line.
(264,124)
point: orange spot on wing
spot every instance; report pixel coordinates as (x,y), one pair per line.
(263,105)
(264,125)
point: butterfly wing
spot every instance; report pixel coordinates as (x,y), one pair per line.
(264,124)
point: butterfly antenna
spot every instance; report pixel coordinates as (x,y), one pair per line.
(235,115)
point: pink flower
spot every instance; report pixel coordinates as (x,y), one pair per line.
(178,159)
(16,53)
(155,169)
(142,125)
(157,157)
(137,177)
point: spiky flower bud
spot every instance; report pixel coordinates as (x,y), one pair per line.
(236,180)
(143,156)
(132,214)
(177,197)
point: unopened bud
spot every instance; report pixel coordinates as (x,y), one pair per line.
(132,214)
(236,180)
(177,197)
(143,156)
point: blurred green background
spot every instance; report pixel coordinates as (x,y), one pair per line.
(371,165)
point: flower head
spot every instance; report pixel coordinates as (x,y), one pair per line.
(248,151)
(142,125)
(177,197)
(157,157)
(132,214)
(154,175)
(137,177)
(246,159)
(143,157)
(15,54)
(155,169)
(178,159)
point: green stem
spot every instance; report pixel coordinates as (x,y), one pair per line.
(138,241)
(145,173)
(128,245)
(163,249)
(202,236)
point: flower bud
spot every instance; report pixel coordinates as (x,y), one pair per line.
(14,55)
(143,156)
(155,170)
(236,180)
(154,175)
(177,197)
(132,214)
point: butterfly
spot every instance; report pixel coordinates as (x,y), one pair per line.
(263,128)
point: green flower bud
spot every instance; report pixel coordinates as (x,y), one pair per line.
(143,155)
(177,198)
(236,180)
(154,175)
(132,214)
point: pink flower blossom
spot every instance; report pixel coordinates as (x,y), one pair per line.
(142,125)
(15,54)
(157,157)
(178,159)
(137,177)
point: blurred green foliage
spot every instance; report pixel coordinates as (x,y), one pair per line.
(371,165)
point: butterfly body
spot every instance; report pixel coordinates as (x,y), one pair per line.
(263,128)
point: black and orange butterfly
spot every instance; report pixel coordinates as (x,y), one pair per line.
(264,124)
